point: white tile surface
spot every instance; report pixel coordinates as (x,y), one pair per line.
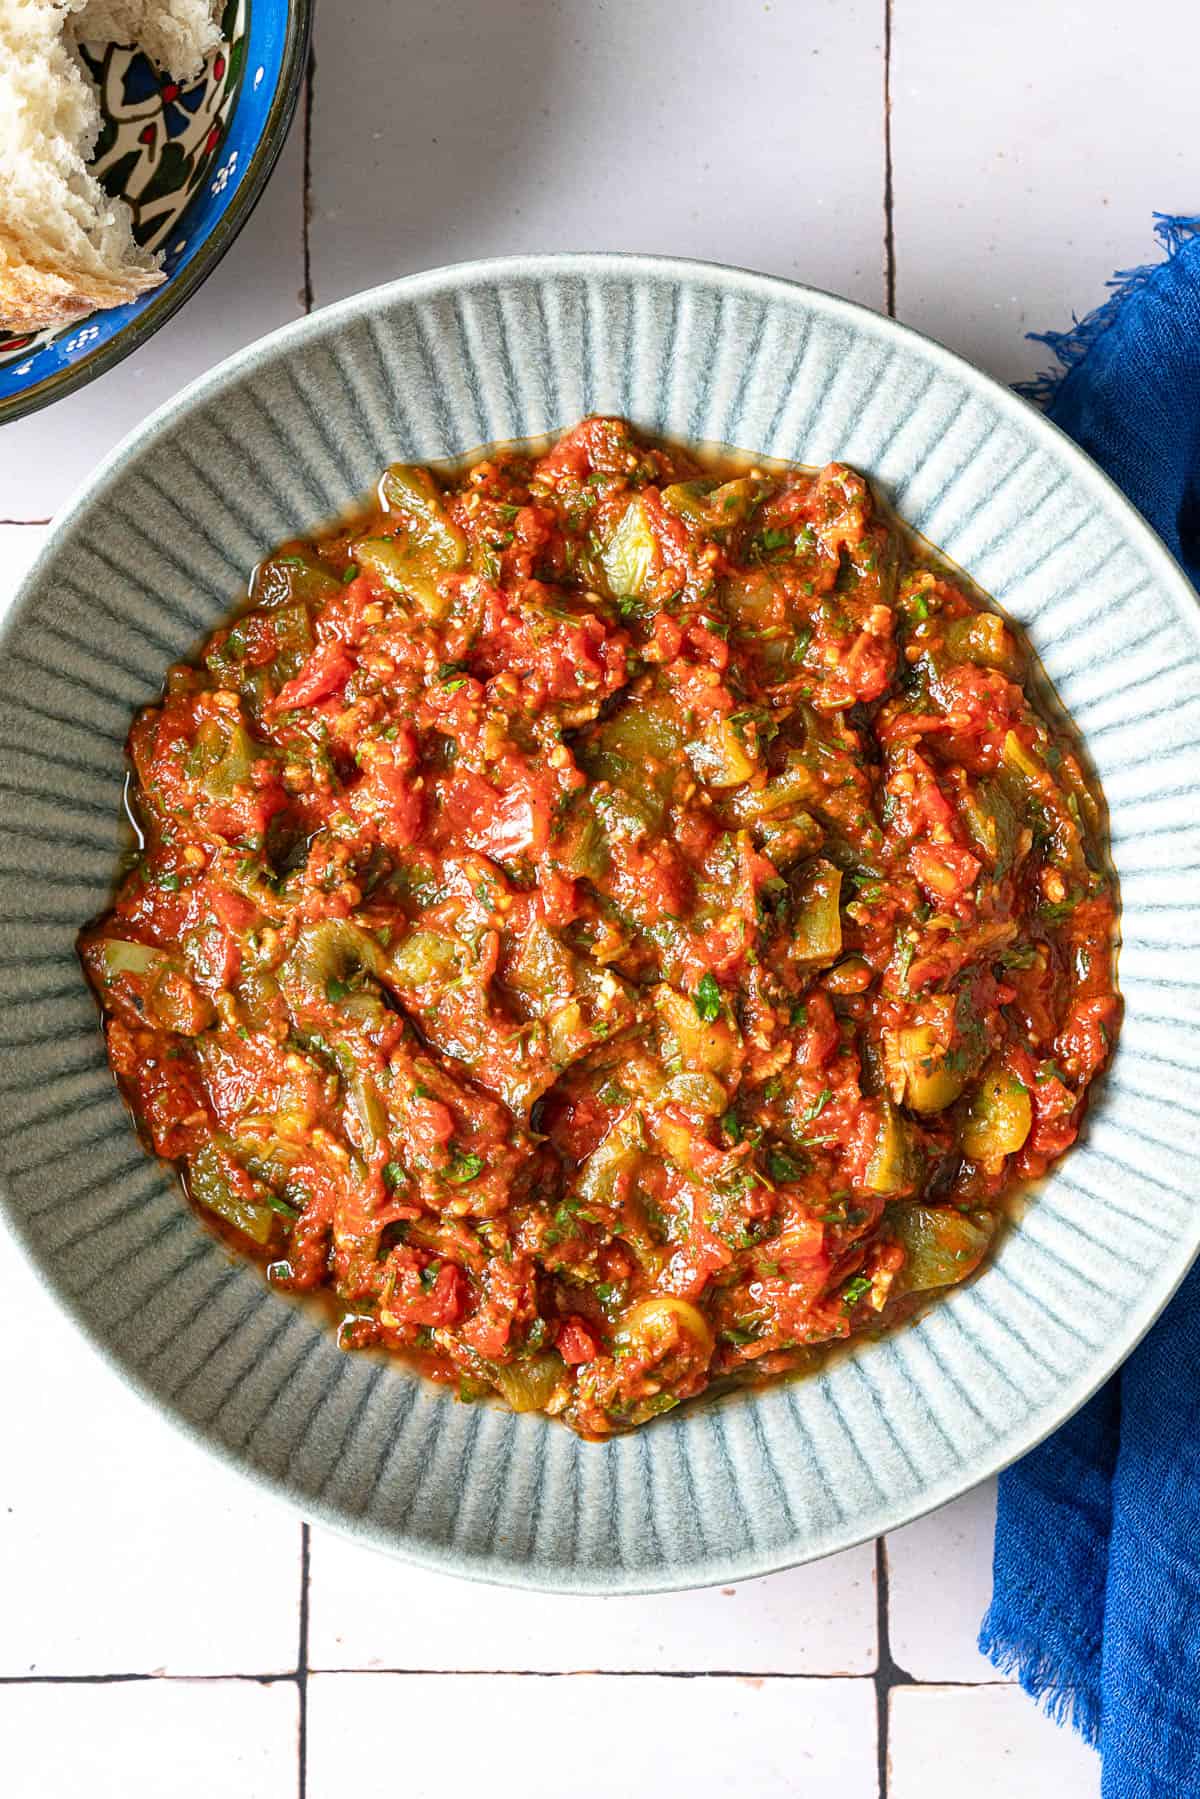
(122,1547)
(19,544)
(1031,143)
(152,1739)
(729,129)
(939,1586)
(258,286)
(988,1742)
(814,1620)
(543,1737)
(1029,149)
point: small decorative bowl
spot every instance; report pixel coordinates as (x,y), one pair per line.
(149,558)
(191,159)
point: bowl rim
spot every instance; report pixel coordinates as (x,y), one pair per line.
(167,300)
(595,264)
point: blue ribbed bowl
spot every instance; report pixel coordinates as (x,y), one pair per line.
(148,560)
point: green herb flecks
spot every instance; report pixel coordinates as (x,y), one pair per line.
(706,997)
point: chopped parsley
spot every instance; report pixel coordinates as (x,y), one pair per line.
(706,997)
(818,1106)
(731,1124)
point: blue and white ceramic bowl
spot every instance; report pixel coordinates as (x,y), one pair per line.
(146,562)
(191,158)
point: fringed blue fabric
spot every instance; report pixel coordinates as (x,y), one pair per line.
(1070,347)
(1096,1602)
(1127,386)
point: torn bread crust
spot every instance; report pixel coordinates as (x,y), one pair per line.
(36,297)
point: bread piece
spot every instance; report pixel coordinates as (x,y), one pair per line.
(66,247)
(175,34)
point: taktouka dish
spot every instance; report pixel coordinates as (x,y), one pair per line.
(618,922)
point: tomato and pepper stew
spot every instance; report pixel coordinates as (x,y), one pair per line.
(614,921)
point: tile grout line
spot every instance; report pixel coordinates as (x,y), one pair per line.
(140,1676)
(888,1675)
(302,1668)
(883,1657)
(889,229)
(596,1674)
(291,1677)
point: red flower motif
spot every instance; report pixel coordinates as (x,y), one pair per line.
(146,134)
(170,90)
(218,67)
(213,138)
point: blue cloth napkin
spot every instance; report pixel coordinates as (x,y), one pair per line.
(1096,1605)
